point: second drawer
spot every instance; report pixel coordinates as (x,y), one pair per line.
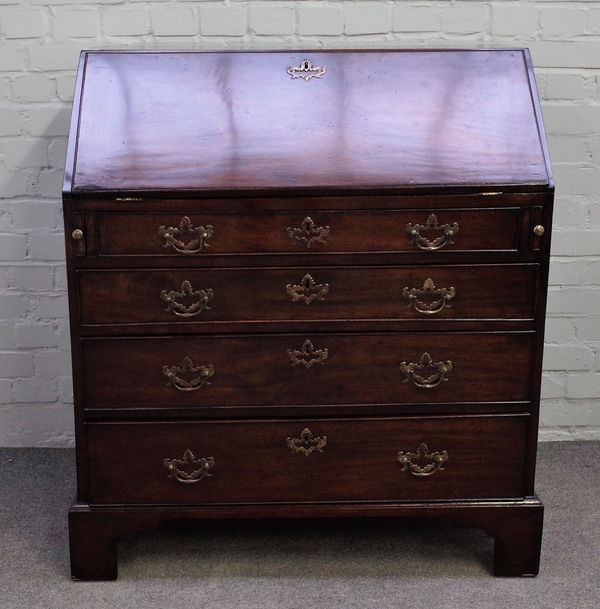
(301,369)
(297,293)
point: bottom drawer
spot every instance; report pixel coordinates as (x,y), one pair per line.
(378,459)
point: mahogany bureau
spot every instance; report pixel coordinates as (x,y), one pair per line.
(306,284)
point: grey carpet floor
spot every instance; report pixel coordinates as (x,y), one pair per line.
(299,565)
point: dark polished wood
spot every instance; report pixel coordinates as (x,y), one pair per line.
(393,168)
(385,231)
(357,463)
(223,121)
(252,370)
(504,292)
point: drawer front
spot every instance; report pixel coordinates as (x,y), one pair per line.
(185,235)
(307,460)
(300,369)
(300,293)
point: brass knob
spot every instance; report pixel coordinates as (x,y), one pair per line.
(539,230)
(77,234)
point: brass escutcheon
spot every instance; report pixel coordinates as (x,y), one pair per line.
(308,233)
(307,290)
(306,443)
(307,356)
(306,71)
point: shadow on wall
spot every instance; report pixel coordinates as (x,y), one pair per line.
(35,370)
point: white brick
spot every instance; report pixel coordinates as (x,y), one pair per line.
(7,337)
(60,278)
(320,21)
(32,278)
(13,247)
(577,180)
(566,272)
(570,212)
(554,54)
(24,152)
(49,120)
(14,183)
(10,121)
(50,307)
(464,19)
(28,215)
(559,330)
(5,394)
(575,243)
(568,86)
(552,387)
(573,300)
(588,328)
(562,22)
(52,364)
(65,389)
(75,23)
(55,56)
(593,24)
(416,18)
(514,20)
(366,19)
(34,88)
(47,247)
(591,274)
(35,390)
(272,20)
(50,182)
(12,57)
(568,358)
(12,305)
(568,148)
(57,152)
(222,21)
(16,364)
(571,119)
(65,86)
(583,386)
(30,336)
(125,22)
(21,23)
(173,21)
(573,414)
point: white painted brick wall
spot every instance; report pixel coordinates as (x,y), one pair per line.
(39,44)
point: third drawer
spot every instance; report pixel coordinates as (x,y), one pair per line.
(307,369)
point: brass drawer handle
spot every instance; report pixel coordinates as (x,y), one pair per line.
(308,233)
(429,300)
(411,461)
(179,468)
(203,297)
(307,356)
(306,443)
(426,374)
(177,374)
(198,236)
(307,290)
(449,231)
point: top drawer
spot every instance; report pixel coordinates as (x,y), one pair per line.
(197,234)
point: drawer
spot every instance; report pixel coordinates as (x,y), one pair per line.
(301,293)
(193,234)
(306,460)
(300,369)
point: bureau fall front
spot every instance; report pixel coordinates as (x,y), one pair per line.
(306,284)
